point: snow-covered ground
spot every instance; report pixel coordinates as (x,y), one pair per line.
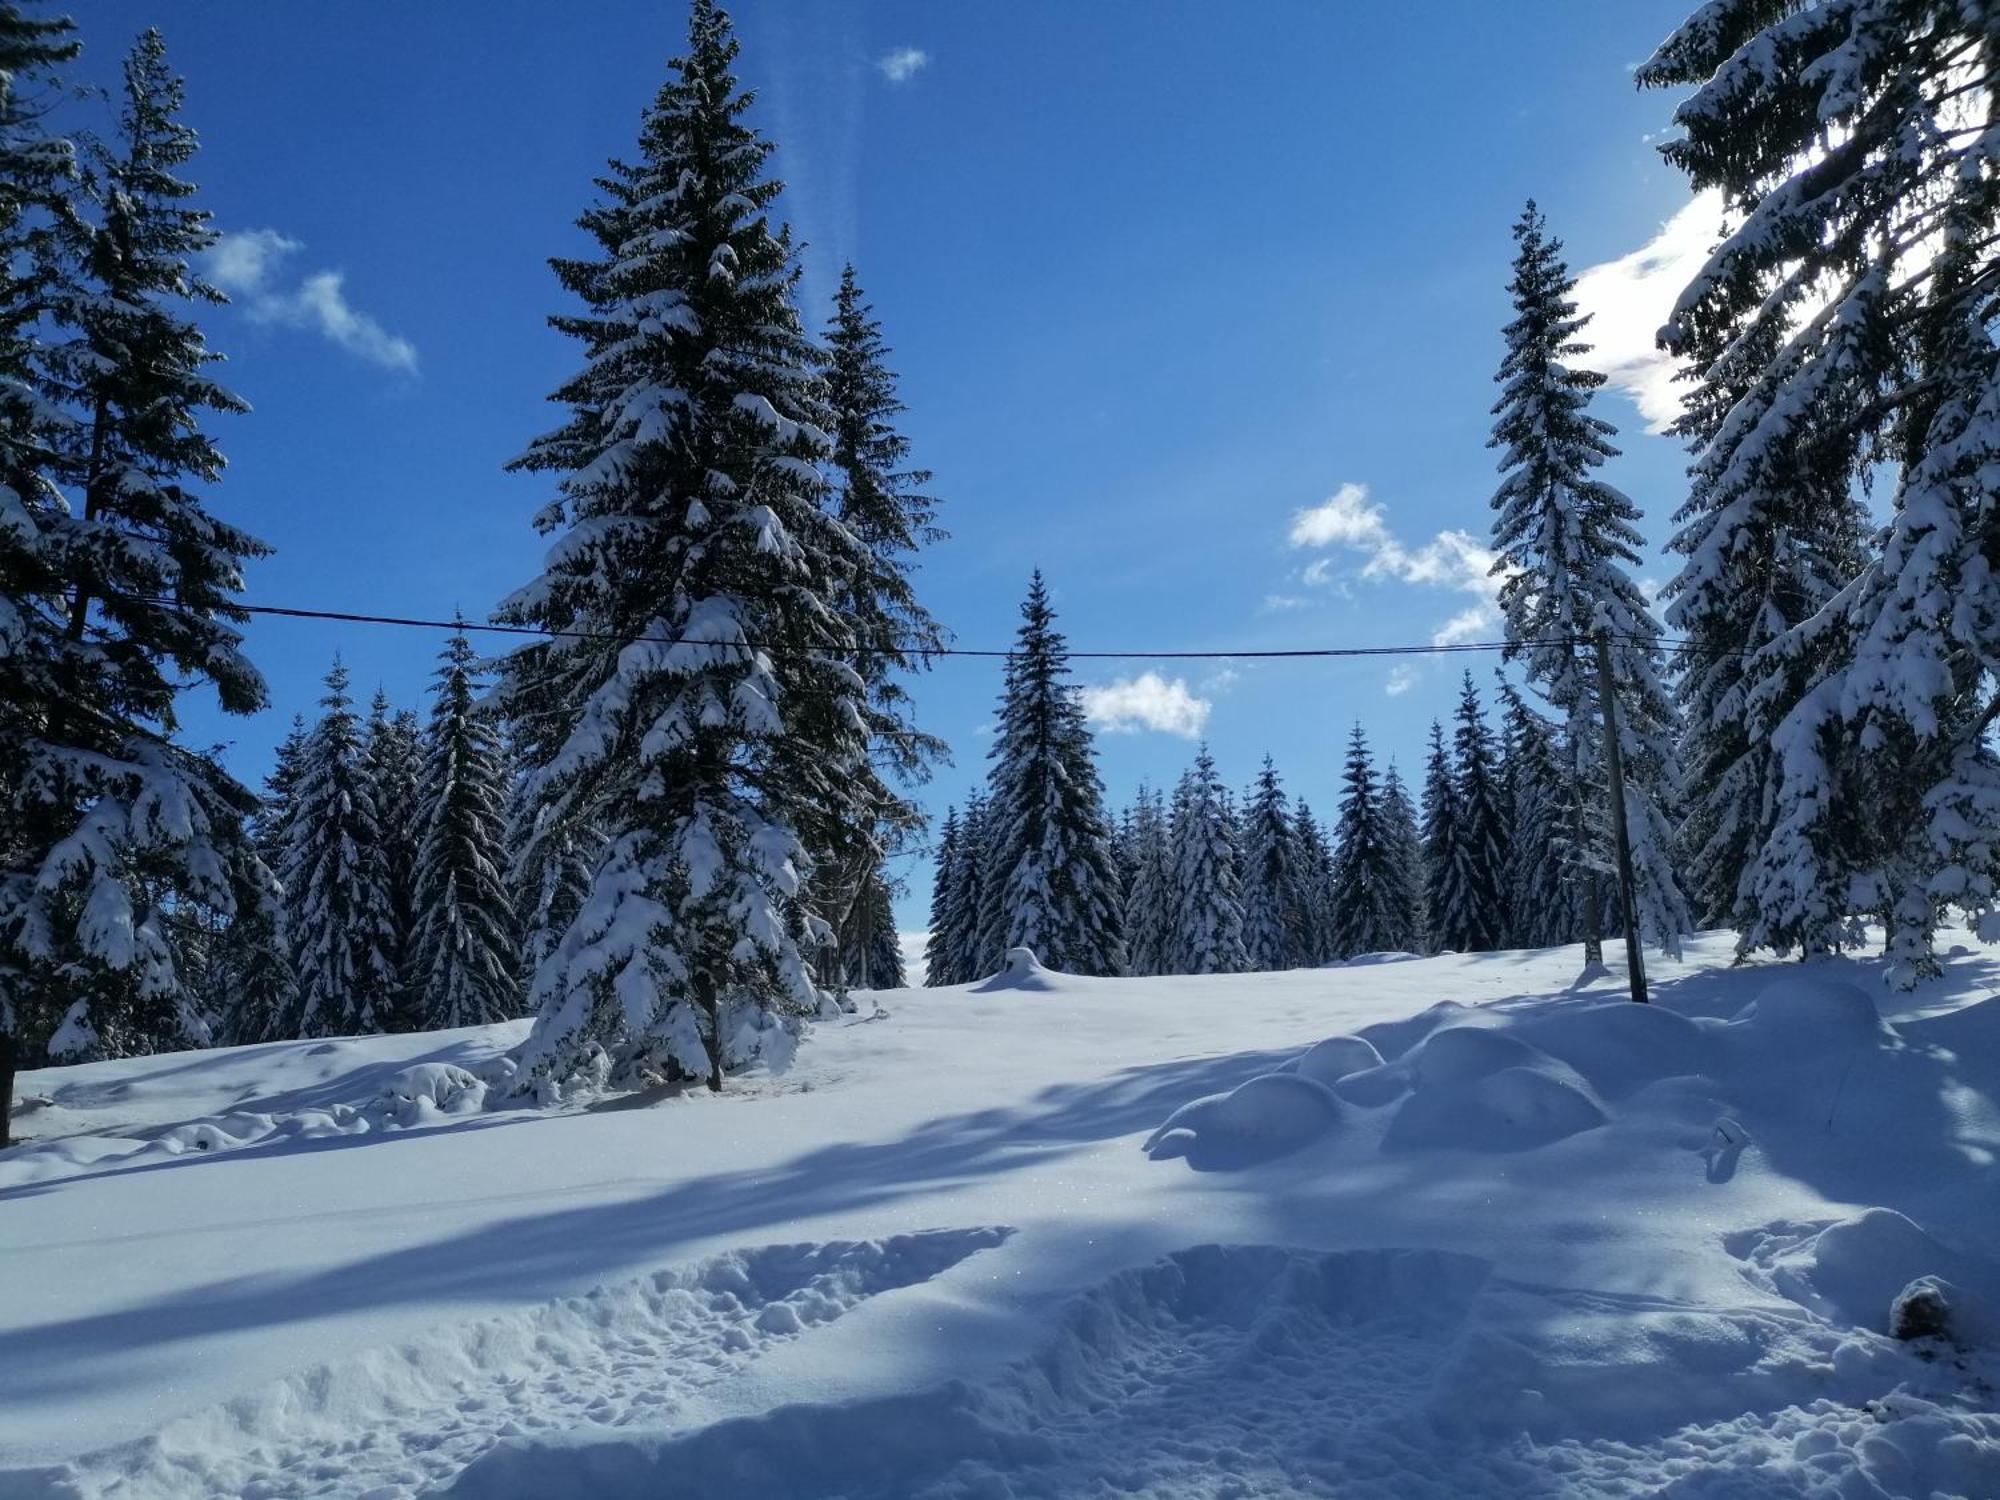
(1027,1238)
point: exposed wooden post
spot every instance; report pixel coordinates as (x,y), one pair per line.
(1614,765)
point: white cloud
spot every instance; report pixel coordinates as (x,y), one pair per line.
(1401,679)
(1475,623)
(1277,604)
(903,64)
(249,266)
(1148,701)
(1628,300)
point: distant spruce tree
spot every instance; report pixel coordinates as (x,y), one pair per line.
(975,957)
(881,501)
(338,924)
(1274,916)
(694,509)
(465,944)
(1313,859)
(118,585)
(1366,884)
(393,744)
(1406,846)
(1471,915)
(1149,890)
(1057,876)
(1542,895)
(945,941)
(1208,891)
(1567,543)
(1440,844)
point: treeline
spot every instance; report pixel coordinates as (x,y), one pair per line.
(1204,882)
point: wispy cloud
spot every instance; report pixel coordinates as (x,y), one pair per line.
(1630,297)
(1452,559)
(903,64)
(1148,701)
(1402,677)
(1278,604)
(250,266)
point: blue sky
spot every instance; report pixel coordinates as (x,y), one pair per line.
(1160,279)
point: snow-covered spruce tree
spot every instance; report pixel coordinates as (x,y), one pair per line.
(1365,885)
(119,584)
(701,713)
(945,939)
(338,925)
(880,501)
(394,746)
(1313,860)
(1149,892)
(1564,541)
(1471,914)
(1406,848)
(1847,320)
(1541,894)
(1440,839)
(1274,923)
(1054,869)
(1208,893)
(879,962)
(465,945)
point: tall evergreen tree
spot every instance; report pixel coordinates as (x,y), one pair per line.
(1541,897)
(1149,890)
(1406,852)
(946,938)
(975,951)
(1566,541)
(693,514)
(337,917)
(1208,895)
(881,502)
(1056,874)
(464,945)
(1846,320)
(1274,920)
(1314,862)
(1365,872)
(119,584)
(1440,842)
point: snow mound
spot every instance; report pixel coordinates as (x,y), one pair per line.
(1484,1091)
(1021,971)
(1394,1038)
(1272,1115)
(1248,1370)
(396,1421)
(1809,1013)
(1621,1047)
(1337,1057)
(1856,1270)
(427,1091)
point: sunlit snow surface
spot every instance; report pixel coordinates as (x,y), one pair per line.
(1507,1237)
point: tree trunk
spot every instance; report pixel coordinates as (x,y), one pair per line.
(706,1002)
(7,1061)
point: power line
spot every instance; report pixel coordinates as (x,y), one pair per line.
(1444,648)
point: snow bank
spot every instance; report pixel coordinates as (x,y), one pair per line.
(1813,1013)
(1021,971)
(1480,1090)
(1854,1270)
(1270,1116)
(1336,1058)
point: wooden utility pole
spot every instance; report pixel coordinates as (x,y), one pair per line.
(1614,765)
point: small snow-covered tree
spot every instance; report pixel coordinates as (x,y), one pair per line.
(1565,542)
(393,744)
(465,946)
(117,583)
(1149,892)
(1471,911)
(1056,873)
(337,922)
(943,942)
(1365,886)
(699,711)
(1846,320)
(972,956)
(1208,894)
(1313,860)
(1274,920)
(1406,847)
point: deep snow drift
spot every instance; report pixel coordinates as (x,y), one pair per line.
(1432,1227)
